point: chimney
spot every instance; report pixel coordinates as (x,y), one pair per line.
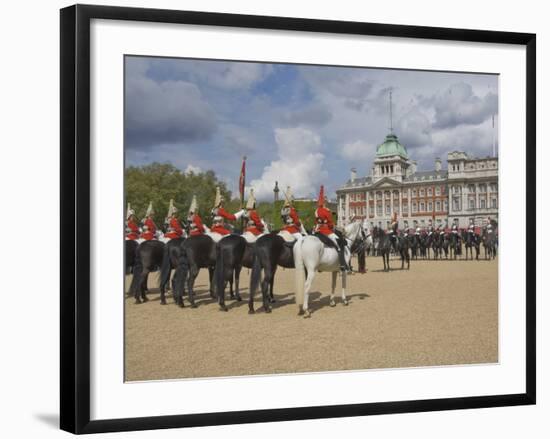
(437,164)
(353,174)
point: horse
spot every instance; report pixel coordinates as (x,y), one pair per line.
(312,255)
(172,253)
(414,244)
(401,247)
(149,257)
(454,244)
(489,244)
(471,239)
(382,242)
(270,251)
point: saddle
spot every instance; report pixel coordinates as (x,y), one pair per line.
(327,241)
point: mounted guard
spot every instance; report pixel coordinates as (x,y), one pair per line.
(325,226)
(293,228)
(149,227)
(132,228)
(219,214)
(196,227)
(255,226)
(174,229)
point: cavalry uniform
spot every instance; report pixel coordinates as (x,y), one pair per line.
(430,227)
(196,227)
(132,229)
(254,224)
(219,214)
(174,229)
(325,225)
(149,226)
(454,229)
(292,223)
(471,228)
(489,225)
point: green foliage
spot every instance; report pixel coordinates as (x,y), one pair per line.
(159,182)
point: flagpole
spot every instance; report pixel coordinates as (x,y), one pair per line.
(242,185)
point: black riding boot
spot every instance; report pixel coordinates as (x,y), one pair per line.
(342,258)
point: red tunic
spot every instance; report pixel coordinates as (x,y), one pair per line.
(257,228)
(325,225)
(177,231)
(219,228)
(134,230)
(293,227)
(197,227)
(149,234)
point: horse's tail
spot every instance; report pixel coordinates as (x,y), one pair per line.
(166,268)
(136,275)
(299,272)
(255,276)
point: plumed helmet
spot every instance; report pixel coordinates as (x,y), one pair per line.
(194,205)
(218,200)
(129,212)
(171,209)
(251,202)
(150,211)
(288,197)
(321,200)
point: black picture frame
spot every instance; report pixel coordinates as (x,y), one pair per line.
(75,214)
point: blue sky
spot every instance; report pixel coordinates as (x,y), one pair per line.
(298,124)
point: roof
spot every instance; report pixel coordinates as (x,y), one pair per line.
(390,147)
(425,175)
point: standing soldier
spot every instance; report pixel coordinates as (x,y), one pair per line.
(132,229)
(325,225)
(292,223)
(219,214)
(254,224)
(196,227)
(149,226)
(174,227)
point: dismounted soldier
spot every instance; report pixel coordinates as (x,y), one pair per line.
(149,226)
(132,228)
(196,227)
(219,215)
(292,223)
(325,225)
(174,227)
(254,223)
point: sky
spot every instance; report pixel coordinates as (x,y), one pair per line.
(300,125)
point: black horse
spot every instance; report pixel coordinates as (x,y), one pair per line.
(149,257)
(455,245)
(382,242)
(401,245)
(270,251)
(471,241)
(172,253)
(414,245)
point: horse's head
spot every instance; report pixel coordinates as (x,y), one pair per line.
(353,231)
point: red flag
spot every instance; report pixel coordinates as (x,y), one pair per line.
(242,179)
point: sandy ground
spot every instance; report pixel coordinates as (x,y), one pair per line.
(438,313)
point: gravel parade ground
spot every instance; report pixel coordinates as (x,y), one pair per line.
(438,313)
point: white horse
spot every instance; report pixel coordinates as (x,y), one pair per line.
(312,255)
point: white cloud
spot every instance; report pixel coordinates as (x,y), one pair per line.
(192,169)
(359,150)
(299,164)
(228,75)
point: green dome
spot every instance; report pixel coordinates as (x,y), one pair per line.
(391,146)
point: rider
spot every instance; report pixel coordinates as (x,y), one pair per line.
(454,228)
(430,227)
(325,226)
(254,225)
(489,225)
(174,227)
(393,229)
(149,226)
(196,227)
(219,214)
(132,229)
(471,227)
(292,223)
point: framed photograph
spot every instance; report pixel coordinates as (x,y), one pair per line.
(276,218)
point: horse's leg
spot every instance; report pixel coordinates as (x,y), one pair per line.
(333,288)
(344,286)
(265,285)
(271,296)
(143,287)
(307,286)
(237,278)
(231,292)
(193,273)
(212,288)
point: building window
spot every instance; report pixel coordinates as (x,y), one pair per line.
(387,194)
(378,195)
(494,203)
(421,192)
(414,193)
(371,210)
(430,206)
(405,208)
(482,203)
(471,204)
(456,204)
(493,187)
(414,207)
(422,206)
(455,189)
(430,192)
(438,190)
(446,206)
(379,209)
(471,188)
(483,188)
(388,209)
(438,206)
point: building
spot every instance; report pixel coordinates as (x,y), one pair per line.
(467,189)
